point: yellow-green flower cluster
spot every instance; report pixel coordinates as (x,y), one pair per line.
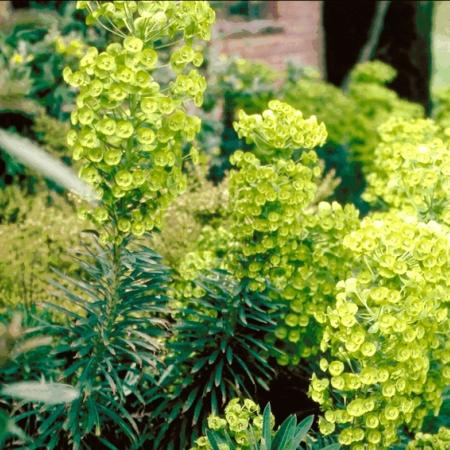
(243,424)
(280,130)
(318,263)
(277,236)
(426,441)
(128,129)
(374,103)
(266,203)
(389,358)
(329,103)
(412,169)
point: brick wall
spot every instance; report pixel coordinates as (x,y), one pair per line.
(300,36)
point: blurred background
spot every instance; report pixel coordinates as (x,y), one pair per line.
(412,36)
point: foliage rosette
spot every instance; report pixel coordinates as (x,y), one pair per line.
(129,129)
(217,352)
(412,169)
(389,359)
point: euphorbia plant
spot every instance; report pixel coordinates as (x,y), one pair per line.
(278,236)
(387,360)
(128,131)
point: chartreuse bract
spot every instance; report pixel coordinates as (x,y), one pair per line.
(129,128)
(412,169)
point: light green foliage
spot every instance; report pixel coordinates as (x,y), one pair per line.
(374,103)
(128,129)
(353,116)
(52,133)
(425,441)
(373,72)
(36,233)
(412,169)
(388,357)
(441,109)
(250,84)
(194,235)
(191,218)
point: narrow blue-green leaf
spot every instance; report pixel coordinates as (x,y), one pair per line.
(267,429)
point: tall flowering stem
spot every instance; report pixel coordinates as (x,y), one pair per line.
(129,125)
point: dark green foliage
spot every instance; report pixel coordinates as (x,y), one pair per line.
(111,347)
(35,45)
(218,352)
(23,356)
(34,32)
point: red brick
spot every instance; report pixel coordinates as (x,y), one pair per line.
(301,39)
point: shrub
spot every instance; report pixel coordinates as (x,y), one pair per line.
(387,363)
(276,233)
(130,137)
(385,334)
(36,232)
(412,168)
